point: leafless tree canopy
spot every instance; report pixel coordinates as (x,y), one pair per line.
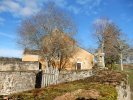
(46,31)
(100,25)
(108,35)
(33,29)
(59,48)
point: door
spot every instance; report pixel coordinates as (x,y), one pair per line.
(78,66)
(38,79)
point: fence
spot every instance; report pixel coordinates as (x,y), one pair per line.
(50,76)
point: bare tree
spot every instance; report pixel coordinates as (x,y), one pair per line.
(100,26)
(60,48)
(123,49)
(108,34)
(36,32)
(111,41)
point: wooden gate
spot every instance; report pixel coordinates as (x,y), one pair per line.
(50,76)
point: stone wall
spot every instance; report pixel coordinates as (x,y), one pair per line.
(12,82)
(67,76)
(17,76)
(18,66)
(18,81)
(123,91)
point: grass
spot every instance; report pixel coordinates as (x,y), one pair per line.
(107,92)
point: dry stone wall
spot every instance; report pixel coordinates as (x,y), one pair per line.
(17,76)
(18,81)
(12,82)
(123,91)
(18,66)
(67,76)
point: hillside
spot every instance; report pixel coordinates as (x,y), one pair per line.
(100,86)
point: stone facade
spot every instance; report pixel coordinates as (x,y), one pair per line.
(28,57)
(18,66)
(81,60)
(82,57)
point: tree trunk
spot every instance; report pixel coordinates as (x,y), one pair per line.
(103,62)
(121,62)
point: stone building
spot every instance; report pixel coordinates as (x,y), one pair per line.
(82,59)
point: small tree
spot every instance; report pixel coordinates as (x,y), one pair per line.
(36,32)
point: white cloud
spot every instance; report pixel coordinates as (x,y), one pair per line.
(60,3)
(130,5)
(27,11)
(11,5)
(65,5)
(82,2)
(74,9)
(89,6)
(2,8)
(7,35)
(2,20)
(29,7)
(88,2)
(19,8)
(102,21)
(98,2)
(125,18)
(5,52)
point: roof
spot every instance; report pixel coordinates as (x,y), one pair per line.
(32,52)
(37,52)
(86,50)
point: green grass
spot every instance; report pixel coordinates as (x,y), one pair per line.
(107,92)
(130,76)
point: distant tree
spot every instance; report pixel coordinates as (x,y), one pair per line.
(9,59)
(128,57)
(123,49)
(36,32)
(108,35)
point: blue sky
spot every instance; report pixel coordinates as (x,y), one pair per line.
(84,13)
